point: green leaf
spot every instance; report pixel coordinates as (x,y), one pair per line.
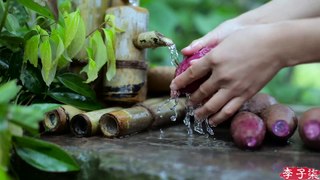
(52,73)
(32,80)
(75,83)
(90,69)
(3,175)
(46,60)
(5,144)
(76,100)
(79,38)
(8,91)
(97,50)
(28,117)
(72,21)
(109,40)
(37,8)
(31,50)
(12,24)
(44,155)
(57,45)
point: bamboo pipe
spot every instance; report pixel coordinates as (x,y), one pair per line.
(151,39)
(138,118)
(57,121)
(87,124)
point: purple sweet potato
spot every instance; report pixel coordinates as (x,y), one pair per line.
(248,130)
(281,121)
(309,128)
(185,64)
(258,103)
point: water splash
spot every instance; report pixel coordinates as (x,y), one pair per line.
(174,101)
(198,124)
(209,129)
(189,113)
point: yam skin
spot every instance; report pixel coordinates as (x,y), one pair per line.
(309,128)
(258,103)
(281,121)
(185,64)
(247,130)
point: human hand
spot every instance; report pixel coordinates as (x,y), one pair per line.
(240,66)
(213,37)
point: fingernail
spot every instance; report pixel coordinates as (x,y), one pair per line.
(173,87)
(186,48)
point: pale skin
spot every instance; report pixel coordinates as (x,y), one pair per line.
(250,50)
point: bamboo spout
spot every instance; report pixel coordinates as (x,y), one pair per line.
(151,39)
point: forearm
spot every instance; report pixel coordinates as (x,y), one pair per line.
(296,42)
(280,10)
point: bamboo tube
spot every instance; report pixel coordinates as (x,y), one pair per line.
(159,79)
(129,84)
(126,121)
(138,118)
(162,112)
(151,39)
(57,121)
(87,124)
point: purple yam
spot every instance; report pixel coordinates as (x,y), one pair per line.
(258,103)
(247,130)
(185,64)
(281,121)
(309,128)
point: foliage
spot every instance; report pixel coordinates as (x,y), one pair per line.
(14,118)
(38,52)
(37,45)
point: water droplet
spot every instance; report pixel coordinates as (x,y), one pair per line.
(161,135)
(134,2)
(198,127)
(209,129)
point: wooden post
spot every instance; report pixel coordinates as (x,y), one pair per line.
(129,83)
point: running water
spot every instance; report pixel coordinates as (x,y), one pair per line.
(174,55)
(198,124)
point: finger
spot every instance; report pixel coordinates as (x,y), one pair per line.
(197,70)
(196,45)
(214,104)
(205,90)
(227,111)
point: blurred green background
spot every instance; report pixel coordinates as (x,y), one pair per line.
(184,21)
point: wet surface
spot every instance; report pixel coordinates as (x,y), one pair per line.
(170,153)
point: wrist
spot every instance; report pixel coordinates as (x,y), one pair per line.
(295,42)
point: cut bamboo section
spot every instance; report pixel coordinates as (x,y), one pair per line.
(87,124)
(57,121)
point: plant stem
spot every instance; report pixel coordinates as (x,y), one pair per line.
(4,18)
(101,25)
